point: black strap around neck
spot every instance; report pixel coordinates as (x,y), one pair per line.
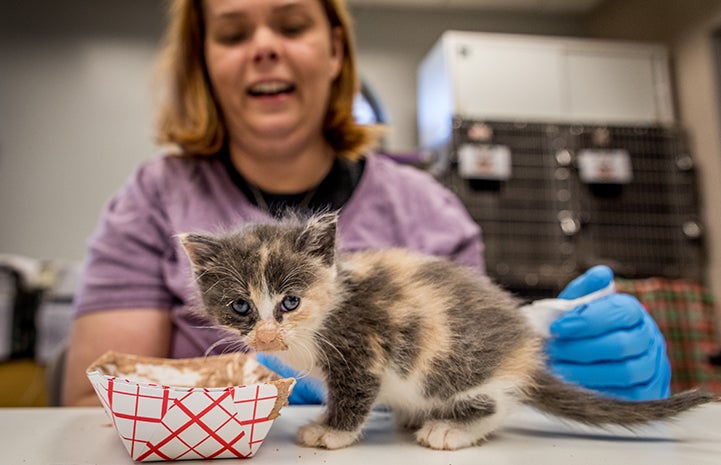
(331,194)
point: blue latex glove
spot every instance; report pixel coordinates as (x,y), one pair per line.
(611,344)
(307,390)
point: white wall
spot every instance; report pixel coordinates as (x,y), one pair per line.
(74,121)
(75,116)
(76,111)
(392,43)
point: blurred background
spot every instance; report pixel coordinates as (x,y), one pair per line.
(599,119)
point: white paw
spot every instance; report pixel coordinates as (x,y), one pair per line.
(316,435)
(443,436)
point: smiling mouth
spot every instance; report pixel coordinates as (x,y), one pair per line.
(269,89)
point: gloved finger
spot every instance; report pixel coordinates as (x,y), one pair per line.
(274,364)
(611,313)
(307,390)
(614,374)
(616,345)
(594,279)
(658,387)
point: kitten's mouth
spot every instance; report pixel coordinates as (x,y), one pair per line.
(270,346)
(268,337)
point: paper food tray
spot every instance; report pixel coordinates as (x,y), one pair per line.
(200,408)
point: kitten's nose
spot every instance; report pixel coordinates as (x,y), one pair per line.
(268,337)
(266,331)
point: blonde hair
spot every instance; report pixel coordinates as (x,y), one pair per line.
(189,116)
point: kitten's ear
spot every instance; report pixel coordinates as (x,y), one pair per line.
(201,249)
(318,237)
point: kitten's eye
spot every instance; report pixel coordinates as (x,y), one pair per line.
(241,307)
(289,303)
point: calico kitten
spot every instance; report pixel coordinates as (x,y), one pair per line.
(450,353)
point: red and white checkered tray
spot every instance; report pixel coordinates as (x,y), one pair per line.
(156,421)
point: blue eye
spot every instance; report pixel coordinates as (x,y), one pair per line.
(289,303)
(241,307)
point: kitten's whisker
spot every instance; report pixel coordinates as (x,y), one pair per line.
(325,340)
(211,326)
(310,359)
(223,272)
(224,340)
(296,279)
(212,286)
(233,274)
(314,351)
(299,348)
(235,346)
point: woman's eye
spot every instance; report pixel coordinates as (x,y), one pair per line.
(241,307)
(294,27)
(292,31)
(232,39)
(289,303)
(231,36)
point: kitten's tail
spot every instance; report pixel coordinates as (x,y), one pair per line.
(561,399)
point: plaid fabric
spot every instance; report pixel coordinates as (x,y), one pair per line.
(684,312)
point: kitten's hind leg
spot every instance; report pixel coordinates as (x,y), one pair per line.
(463,423)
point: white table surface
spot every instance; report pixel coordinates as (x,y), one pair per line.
(78,436)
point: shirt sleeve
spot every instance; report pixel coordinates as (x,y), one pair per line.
(436,220)
(461,234)
(126,253)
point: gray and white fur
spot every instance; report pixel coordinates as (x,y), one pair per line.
(448,351)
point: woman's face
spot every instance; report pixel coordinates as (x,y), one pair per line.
(271,64)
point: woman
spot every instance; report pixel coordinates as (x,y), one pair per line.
(259,103)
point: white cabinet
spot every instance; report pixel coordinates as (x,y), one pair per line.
(538,78)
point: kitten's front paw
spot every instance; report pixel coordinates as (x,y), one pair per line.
(443,436)
(316,435)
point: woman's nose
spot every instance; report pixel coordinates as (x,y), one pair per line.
(265,45)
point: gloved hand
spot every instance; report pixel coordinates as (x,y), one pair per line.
(611,344)
(307,390)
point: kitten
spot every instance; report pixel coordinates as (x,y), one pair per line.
(449,352)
